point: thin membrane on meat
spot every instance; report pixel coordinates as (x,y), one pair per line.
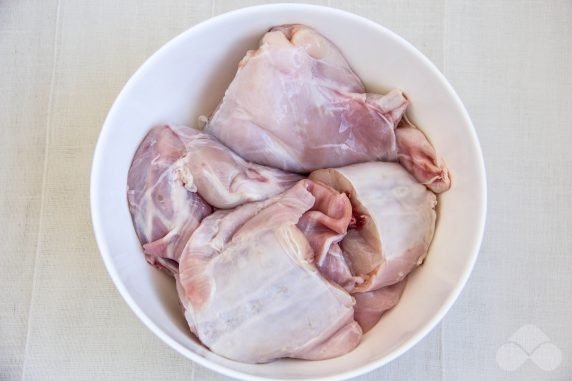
(418,156)
(371,305)
(252,292)
(223,178)
(164,211)
(177,174)
(268,264)
(296,104)
(393,225)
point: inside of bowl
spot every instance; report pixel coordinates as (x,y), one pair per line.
(187,78)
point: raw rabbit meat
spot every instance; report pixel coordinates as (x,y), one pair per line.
(250,288)
(177,174)
(326,223)
(394,221)
(371,305)
(223,178)
(266,264)
(164,211)
(418,156)
(334,267)
(295,104)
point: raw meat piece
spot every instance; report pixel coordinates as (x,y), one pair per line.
(295,104)
(222,177)
(251,291)
(326,223)
(418,156)
(164,211)
(394,221)
(371,305)
(335,268)
(175,172)
(324,226)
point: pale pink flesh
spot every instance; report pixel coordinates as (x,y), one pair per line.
(223,178)
(295,104)
(326,223)
(418,156)
(324,226)
(175,172)
(335,268)
(164,212)
(371,305)
(396,221)
(251,291)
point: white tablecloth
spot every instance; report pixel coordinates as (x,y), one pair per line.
(62,64)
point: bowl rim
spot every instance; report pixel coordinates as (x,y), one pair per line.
(95,185)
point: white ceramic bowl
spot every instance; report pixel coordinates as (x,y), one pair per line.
(188,76)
